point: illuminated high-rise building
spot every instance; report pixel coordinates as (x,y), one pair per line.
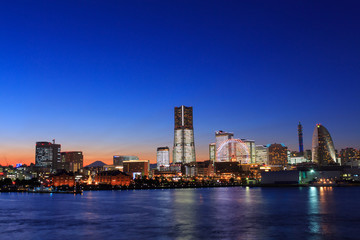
(163,157)
(301,145)
(278,154)
(72,161)
(184,145)
(229,151)
(323,150)
(251,148)
(212,152)
(262,154)
(47,155)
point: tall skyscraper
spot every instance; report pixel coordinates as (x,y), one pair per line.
(230,150)
(301,145)
(323,150)
(184,145)
(47,155)
(163,157)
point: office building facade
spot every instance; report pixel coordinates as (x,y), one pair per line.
(163,158)
(348,155)
(262,154)
(47,155)
(278,154)
(72,161)
(136,167)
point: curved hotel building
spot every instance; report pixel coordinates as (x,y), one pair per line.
(323,150)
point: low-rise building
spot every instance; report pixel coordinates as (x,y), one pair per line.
(119,159)
(63,178)
(226,168)
(114,178)
(205,168)
(136,167)
(280,177)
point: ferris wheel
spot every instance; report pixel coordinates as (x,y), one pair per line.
(233,150)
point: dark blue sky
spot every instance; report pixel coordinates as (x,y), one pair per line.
(104,76)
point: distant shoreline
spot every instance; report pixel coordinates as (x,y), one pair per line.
(188,187)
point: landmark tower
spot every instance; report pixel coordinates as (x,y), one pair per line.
(184,145)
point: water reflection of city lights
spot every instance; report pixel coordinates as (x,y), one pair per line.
(314,225)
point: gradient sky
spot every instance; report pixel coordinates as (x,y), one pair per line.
(103,77)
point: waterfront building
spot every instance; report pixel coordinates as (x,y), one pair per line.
(348,155)
(323,150)
(297,159)
(278,154)
(114,178)
(300,134)
(229,151)
(205,168)
(166,174)
(262,154)
(280,177)
(136,167)
(71,161)
(163,158)
(119,159)
(227,168)
(184,144)
(47,155)
(63,178)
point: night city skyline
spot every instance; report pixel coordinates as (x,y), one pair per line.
(181,119)
(104,77)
